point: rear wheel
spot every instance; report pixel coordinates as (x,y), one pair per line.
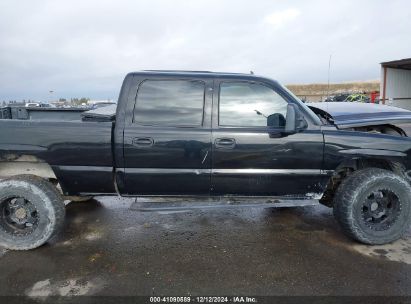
(31,212)
(373,206)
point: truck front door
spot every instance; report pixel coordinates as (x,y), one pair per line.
(251,153)
(167,143)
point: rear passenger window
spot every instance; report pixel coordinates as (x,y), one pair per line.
(170,103)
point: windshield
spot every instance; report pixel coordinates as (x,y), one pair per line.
(303,105)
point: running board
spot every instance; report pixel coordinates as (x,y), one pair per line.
(146,204)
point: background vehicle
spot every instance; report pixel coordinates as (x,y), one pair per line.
(357,98)
(205,134)
(338,97)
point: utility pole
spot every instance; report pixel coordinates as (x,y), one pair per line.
(329,68)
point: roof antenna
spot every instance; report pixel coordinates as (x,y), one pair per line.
(251,72)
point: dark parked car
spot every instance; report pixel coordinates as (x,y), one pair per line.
(210,134)
(338,97)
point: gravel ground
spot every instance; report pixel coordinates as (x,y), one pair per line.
(107,248)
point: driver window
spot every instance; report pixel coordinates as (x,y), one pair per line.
(244,104)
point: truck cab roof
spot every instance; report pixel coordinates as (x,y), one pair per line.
(201,74)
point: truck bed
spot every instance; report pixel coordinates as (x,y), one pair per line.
(79,152)
(107,113)
(40,113)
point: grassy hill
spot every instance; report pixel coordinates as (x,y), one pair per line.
(318,91)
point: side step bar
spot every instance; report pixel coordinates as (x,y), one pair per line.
(146,204)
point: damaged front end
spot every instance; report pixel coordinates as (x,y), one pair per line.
(359,136)
(371,118)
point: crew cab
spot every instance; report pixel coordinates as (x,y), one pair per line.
(205,134)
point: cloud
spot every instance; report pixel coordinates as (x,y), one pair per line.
(84,48)
(281,18)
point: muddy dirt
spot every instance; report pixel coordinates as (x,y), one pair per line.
(107,248)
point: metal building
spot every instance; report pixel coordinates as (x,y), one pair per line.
(395,86)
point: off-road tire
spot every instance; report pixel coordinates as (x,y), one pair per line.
(355,190)
(49,206)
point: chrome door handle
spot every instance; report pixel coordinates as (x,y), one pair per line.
(225,143)
(143,141)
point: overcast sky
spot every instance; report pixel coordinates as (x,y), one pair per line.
(84,48)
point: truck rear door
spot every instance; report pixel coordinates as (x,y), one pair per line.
(167,142)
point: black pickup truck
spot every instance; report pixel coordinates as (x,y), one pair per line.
(197,134)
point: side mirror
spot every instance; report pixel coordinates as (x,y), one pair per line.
(294,121)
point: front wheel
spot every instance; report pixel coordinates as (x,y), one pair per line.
(31,212)
(373,206)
